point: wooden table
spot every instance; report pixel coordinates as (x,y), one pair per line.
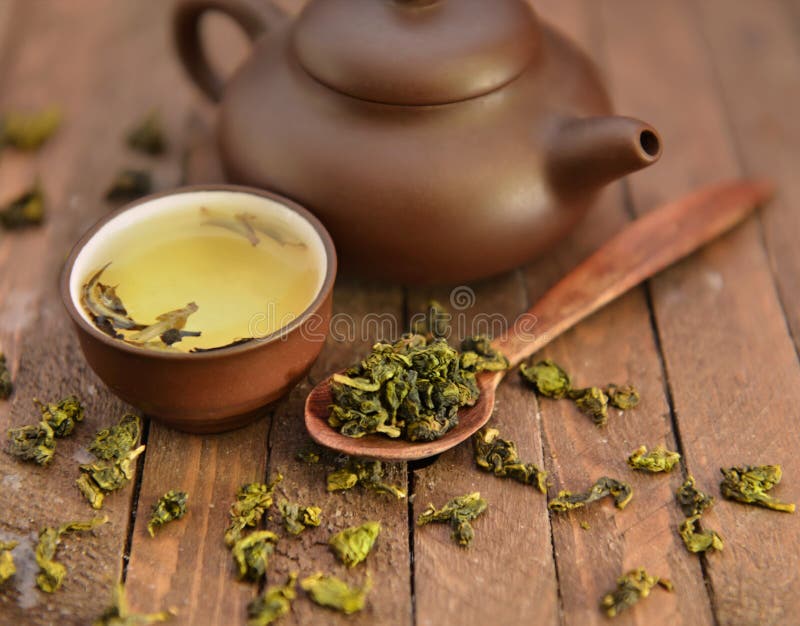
(711,344)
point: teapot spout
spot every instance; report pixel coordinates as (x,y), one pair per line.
(588,153)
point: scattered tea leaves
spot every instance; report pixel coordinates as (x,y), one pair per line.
(548,379)
(252,501)
(117,440)
(478,355)
(24,210)
(170,506)
(458,512)
(631,588)
(567,501)
(129,185)
(624,398)
(658,460)
(51,573)
(118,613)
(308,456)
(750,484)
(32,443)
(368,474)
(6,386)
(297,518)
(691,500)
(7,567)
(352,545)
(148,135)
(29,130)
(697,540)
(593,402)
(336,594)
(499,456)
(275,602)
(251,554)
(61,416)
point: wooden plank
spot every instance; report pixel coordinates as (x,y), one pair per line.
(731,365)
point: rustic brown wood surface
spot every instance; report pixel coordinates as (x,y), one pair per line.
(712,345)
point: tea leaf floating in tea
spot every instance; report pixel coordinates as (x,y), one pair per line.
(248,226)
(566,500)
(631,588)
(51,574)
(29,131)
(166,322)
(352,545)
(274,603)
(7,567)
(129,185)
(6,386)
(32,443)
(336,594)
(170,506)
(368,474)
(500,457)
(593,402)
(658,460)
(697,540)
(116,450)
(750,485)
(61,416)
(25,210)
(148,136)
(548,379)
(691,500)
(297,518)
(118,614)
(458,512)
(251,554)
(252,501)
(105,307)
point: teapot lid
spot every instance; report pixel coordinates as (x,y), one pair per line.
(415,52)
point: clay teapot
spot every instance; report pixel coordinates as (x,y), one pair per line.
(437,140)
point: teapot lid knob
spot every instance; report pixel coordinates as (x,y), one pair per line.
(415,52)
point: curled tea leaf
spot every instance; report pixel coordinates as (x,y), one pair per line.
(593,402)
(297,518)
(116,441)
(478,355)
(352,545)
(7,567)
(499,456)
(105,307)
(32,443)
(658,460)
(251,554)
(434,323)
(567,501)
(24,210)
(235,224)
(172,320)
(61,416)
(631,588)
(308,456)
(51,573)
(252,501)
(170,506)
(548,379)
(275,602)
(691,500)
(129,185)
(118,613)
(29,131)
(148,136)
(458,512)
(750,484)
(369,474)
(697,540)
(336,594)
(6,386)
(623,397)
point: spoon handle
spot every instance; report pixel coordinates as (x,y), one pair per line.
(642,249)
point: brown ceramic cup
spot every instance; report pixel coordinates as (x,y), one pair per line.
(209,391)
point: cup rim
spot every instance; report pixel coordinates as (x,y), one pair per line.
(322,293)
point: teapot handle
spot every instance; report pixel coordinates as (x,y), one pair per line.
(253,16)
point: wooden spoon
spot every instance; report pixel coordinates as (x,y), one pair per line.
(642,249)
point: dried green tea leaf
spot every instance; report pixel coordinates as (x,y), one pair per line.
(624,398)
(61,416)
(7,567)
(252,501)
(118,440)
(170,506)
(251,554)
(148,136)
(129,185)
(697,540)
(585,525)
(548,379)
(435,323)
(499,456)
(29,131)
(658,460)
(566,500)
(691,500)
(750,484)
(631,588)
(118,614)
(308,456)
(593,402)
(478,355)
(458,512)
(51,573)
(274,603)
(172,320)
(368,474)
(336,594)
(352,545)
(32,443)
(23,211)
(6,386)
(297,518)
(412,388)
